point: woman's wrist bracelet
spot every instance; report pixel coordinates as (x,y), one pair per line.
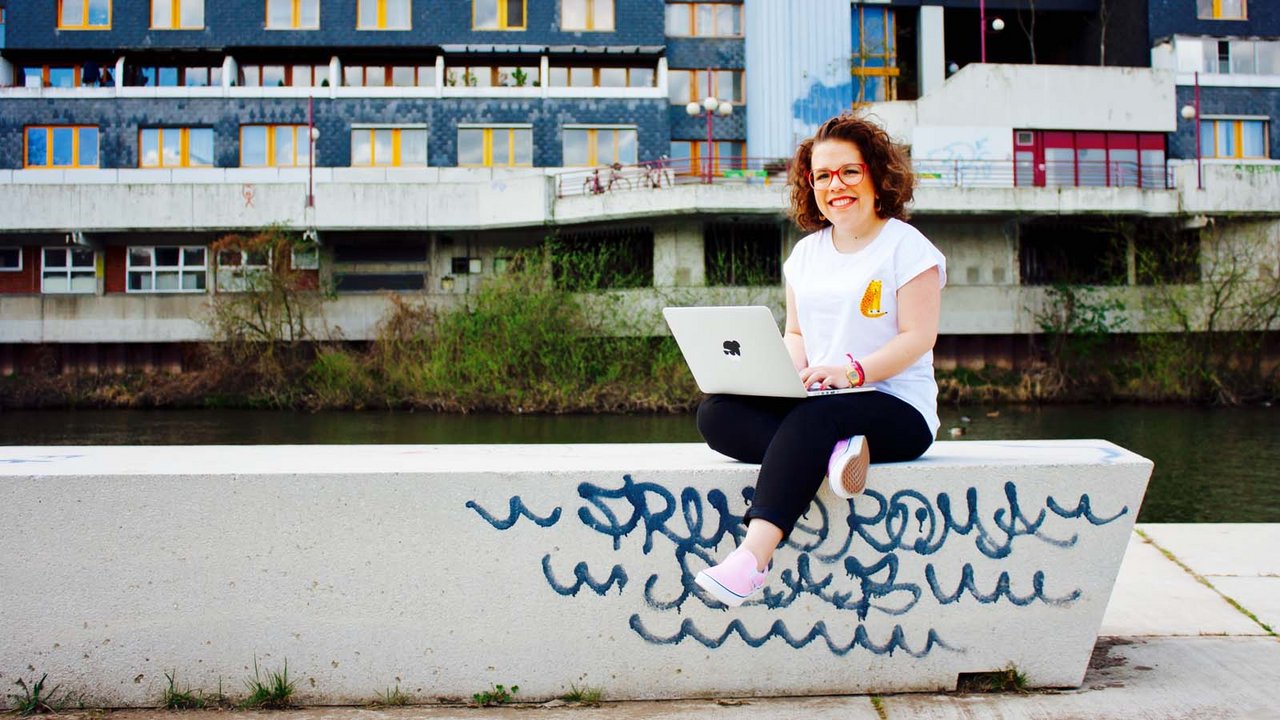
(854,372)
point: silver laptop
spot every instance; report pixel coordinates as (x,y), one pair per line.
(739,351)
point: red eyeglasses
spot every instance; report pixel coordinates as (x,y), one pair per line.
(850,174)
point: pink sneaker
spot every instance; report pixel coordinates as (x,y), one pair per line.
(847,468)
(733,580)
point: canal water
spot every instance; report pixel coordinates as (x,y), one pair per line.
(1211,464)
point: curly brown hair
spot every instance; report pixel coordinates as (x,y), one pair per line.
(887,164)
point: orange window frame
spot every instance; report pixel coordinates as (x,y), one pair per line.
(381,22)
(85,15)
(184,145)
(296,21)
(396,159)
(696,87)
(176,14)
(271,143)
(504,23)
(695,153)
(48,147)
(590,25)
(715,8)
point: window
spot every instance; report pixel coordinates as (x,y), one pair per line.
(596,15)
(1236,57)
(384,15)
(284,75)
(240,270)
(498,14)
(686,86)
(62,76)
(465,266)
(389,75)
(68,270)
(495,146)
(10,259)
(293,14)
(599,146)
(875,55)
(1234,138)
(274,145)
(61,146)
(177,14)
(704,20)
(388,147)
(491,76)
(305,257)
(176,76)
(175,147)
(84,14)
(166,269)
(1221,9)
(742,254)
(728,154)
(562,76)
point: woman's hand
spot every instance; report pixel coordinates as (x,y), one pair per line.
(827,376)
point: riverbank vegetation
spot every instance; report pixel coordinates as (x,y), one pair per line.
(532,341)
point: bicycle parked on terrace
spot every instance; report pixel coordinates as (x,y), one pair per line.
(658,172)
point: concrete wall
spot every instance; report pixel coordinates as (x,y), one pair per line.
(1051,97)
(445,569)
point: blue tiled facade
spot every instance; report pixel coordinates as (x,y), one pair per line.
(1169,18)
(1178,17)
(236,28)
(242,23)
(119,119)
(1221,101)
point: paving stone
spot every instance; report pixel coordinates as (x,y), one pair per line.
(1221,548)
(1258,595)
(1153,596)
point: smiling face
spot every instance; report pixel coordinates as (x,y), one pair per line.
(847,207)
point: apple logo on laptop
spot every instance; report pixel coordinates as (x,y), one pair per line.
(733,348)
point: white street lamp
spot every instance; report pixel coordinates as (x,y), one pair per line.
(710,105)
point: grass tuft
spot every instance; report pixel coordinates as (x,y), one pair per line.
(34,699)
(391,698)
(275,692)
(585,695)
(1010,679)
(185,699)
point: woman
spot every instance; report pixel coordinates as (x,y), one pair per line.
(863,299)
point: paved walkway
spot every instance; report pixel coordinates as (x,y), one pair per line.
(1190,633)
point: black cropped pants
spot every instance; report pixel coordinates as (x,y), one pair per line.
(792,440)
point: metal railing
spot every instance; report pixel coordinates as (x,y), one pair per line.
(662,173)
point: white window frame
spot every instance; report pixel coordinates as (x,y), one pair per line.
(181,268)
(305,257)
(238,277)
(68,272)
(20,254)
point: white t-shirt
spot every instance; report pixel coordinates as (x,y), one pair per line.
(848,303)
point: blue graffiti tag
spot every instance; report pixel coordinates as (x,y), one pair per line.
(691,527)
(897,639)
(516,511)
(617,575)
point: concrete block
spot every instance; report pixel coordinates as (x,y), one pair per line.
(1258,595)
(1246,549)
(448,568)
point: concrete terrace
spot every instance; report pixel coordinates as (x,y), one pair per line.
(1189,633)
